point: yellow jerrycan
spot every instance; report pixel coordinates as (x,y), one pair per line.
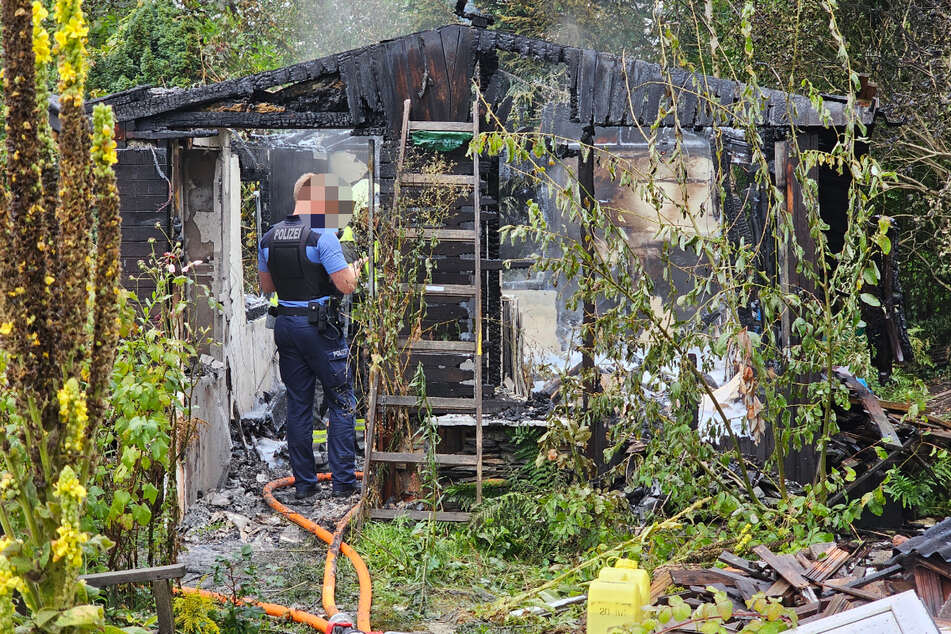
(615,598)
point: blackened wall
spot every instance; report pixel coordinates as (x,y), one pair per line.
(145,205)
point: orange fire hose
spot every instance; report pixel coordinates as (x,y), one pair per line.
(330,568)
(335,541)
(271,609)
(363,575)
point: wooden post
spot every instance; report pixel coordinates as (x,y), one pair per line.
(159,577)
(592,384)
(162,591)
(800,465)
(477,279)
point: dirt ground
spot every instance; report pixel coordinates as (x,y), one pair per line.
(288,561)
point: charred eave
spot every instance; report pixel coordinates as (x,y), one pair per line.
(364,88)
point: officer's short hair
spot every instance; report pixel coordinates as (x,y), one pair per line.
(305,179)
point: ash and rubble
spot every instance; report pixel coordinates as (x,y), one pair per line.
(221,523)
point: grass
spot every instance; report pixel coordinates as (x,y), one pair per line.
(463,582)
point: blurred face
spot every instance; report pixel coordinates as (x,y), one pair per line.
(327,199)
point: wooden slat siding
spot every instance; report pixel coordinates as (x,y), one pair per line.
(351,80)
(655,92)
(689,101)
(587,82)
(466,60)
(676,78)
(438,90)
(607,75)
(777,109)
(707,90)
(449,40)
(727,98)
(398,90)
(369,83)
(718,87)
(796,207)
(142,192)
(415,61)
(619,92)
(380,70)
(642,89)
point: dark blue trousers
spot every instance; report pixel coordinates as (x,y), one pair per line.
(305,357)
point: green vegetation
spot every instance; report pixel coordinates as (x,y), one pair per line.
(96,389)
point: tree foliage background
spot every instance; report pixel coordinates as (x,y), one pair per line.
(903,47)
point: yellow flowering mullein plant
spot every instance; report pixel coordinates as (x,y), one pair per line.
(59,300)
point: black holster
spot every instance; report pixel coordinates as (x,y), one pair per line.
(325,315)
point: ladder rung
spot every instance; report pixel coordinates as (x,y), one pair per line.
(445,459)
(445,235)
(441,126)
(437,403)
(450,290)
(439,516)
(429,345)
(437,179)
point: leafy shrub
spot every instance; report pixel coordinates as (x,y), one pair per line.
(155,43)
(193,614)
(133,499)
(928,490)
(538,524)
(238,574)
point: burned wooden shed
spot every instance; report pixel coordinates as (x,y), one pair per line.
(180,172)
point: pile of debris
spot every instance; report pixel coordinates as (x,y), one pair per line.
(826,579)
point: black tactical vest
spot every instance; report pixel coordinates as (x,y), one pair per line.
(296,277)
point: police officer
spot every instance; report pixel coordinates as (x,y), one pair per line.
(301,259)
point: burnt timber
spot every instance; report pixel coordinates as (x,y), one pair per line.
(363,90)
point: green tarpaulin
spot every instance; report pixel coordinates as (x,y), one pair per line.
(440,141)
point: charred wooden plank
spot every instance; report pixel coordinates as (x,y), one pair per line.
(656,88)
(454,460)
(165,133)
(604,78)
(871,406)
(229,89)
(290,120)
(855,592)
(439,91)
(825,568)
(587,83)
(839,603)
(788,568)
(740,563)
(875,576)
(697,577)
(688,101)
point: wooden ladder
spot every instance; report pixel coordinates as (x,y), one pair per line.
(379,402)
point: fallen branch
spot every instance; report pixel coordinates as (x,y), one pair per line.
(507,605)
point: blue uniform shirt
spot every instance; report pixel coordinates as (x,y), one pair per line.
(323,247)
